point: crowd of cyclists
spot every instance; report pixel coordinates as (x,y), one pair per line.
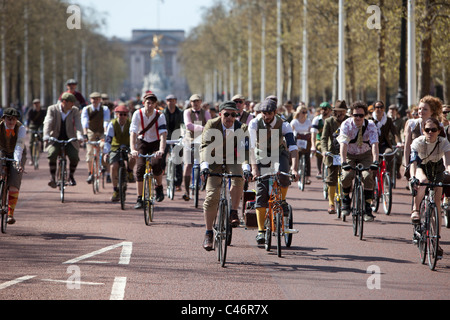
(357,133)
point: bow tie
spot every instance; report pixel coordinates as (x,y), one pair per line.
(10,132)
(197,112)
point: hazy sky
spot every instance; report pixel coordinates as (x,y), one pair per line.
(122,16)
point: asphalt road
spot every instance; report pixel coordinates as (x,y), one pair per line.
(89,249)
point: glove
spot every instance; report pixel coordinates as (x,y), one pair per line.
(413,181)
(374,166)
(346,166)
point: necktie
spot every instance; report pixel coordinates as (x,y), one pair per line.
(10,132)
(360,137)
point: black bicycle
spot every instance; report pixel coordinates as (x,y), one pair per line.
(61,171)
(426,233)
(222,226)
(123,174)
(5,164)
(36,143)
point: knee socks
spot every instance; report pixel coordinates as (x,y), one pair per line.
(12,202)
(331,195)
(261,218)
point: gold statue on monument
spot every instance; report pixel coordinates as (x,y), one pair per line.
(156,41)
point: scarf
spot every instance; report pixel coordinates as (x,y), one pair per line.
(380,123)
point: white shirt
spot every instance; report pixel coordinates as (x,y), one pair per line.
(154,132)
(85,115)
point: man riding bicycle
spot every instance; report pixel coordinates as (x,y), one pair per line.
(358,140)
(63,122)
(329,143)
(95,119)
(228,151)
(35,121)
(195,119)
(262,157)
(148,133)
(117,135)
(12,145)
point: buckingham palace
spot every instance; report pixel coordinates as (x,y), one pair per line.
(139,56)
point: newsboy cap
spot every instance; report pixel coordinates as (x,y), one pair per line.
(228,105)
(11,112)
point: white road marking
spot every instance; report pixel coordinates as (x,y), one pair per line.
(118,288)
(14,282)
(125,256)
(75,282)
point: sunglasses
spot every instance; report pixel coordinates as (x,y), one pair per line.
(227,114)
(123,114)
(445,112)
(358,115)
(428,130)
(238,101)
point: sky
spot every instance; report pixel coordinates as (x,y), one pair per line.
(122,16)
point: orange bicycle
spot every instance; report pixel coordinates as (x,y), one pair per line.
(276,224)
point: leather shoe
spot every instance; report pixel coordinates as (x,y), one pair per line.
(234,219)
(208,242)
(52,184)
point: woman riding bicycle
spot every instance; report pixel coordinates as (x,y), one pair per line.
(430,155)
(301,126)
(12,145)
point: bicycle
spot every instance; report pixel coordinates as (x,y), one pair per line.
(339,195)
(222,225)
(171,168)
(96,166)
(36,147)
(275,222)
(195,184)
(61,170)
(324,178)
(148,190)
(4,191)
(383,185)
(358,201)
(302,144)
(123,174)
(426,234)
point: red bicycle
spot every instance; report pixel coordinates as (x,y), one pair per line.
(383,185)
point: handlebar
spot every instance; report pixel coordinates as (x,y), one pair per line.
(390,153)
(62,141)
(147,156)
(7,159)
(94,143)
(359,167)
(170,142)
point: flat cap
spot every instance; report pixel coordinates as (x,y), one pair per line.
(67,96)
(150,95)
(340,105)
(195,97)
(268,105)
(238,97)
(228,105)
(11,112)
(95,95)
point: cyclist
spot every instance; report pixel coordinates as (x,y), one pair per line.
(148,133)
(399,124)
(429,107)
(117,135)
(71,86)
(358,139)
(329,144)
(261,157)
(430,156)
(95,119)
(244,116)
(35,120)
(231,130)
(316,133)
(12,145)
(195,119)
(301,126)
(174,119)
(385,127)
(63,122)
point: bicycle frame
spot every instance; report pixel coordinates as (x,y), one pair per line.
(380,191)
(62,167)
(36,141)
(339,195)
(148,189)
(96,165)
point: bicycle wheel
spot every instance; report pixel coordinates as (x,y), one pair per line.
(94,173)
(361,211)
(225,232)
(147,201)
(433,236)
(170,178)
(62,178)
(196,185)
(288,224)
(446,213)
(387,193)
(4,206)
(422,234)
(122,186)
(302,173)
(355,216)
(376,194)
(35,151)
(278,230)
(268,234)
(338,200)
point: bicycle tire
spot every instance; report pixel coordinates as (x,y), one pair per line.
(387,193)
(289,224)
(324,176)
(302,173)
(278,231)
(4,207)
(376,194)
(196,185)
(422,241)
(62,179)
(122,186)
(338,200)
(433,236)
(361,211)
(147,201)
(170,179)
(94,172)
(268,233)
(35,154)
(446,213)
(223,229)
(354,211)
